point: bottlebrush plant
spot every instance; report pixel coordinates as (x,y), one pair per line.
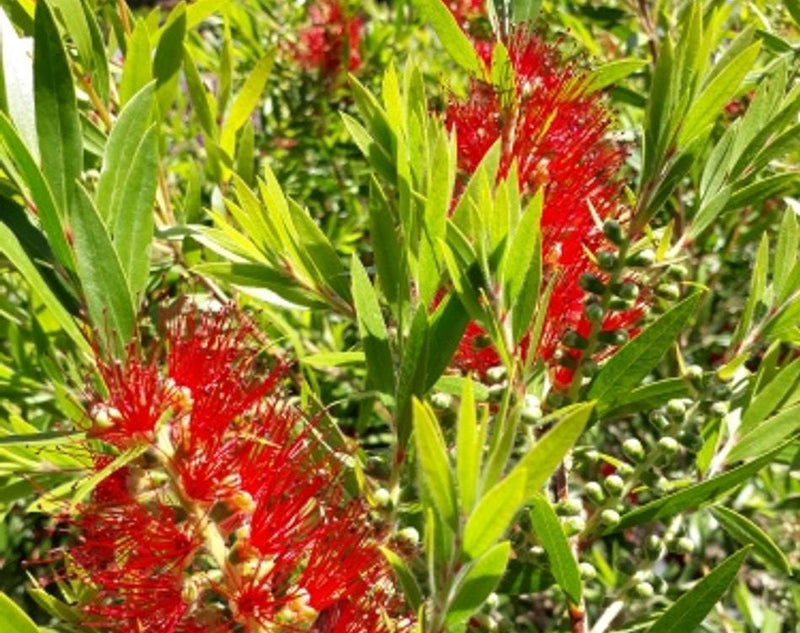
(432,317)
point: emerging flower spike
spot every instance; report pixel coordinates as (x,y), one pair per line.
(233,517)
(557,135)
(329,42)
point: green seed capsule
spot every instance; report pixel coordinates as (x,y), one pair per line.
(613,231)
(626,565)
(627,290)
(592,283)
(676,410)
(574,340)
(573,525)
(684,545)
(607,260)
(409,536)
(668,291)
(594,312)
(569,507)
(678,272)
(613,337)
(589,368)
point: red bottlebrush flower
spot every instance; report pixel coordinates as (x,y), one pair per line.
(233,517)
(329,42)
(557,136)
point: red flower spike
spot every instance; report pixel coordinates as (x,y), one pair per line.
(557,136)
(329,42)
(233,519)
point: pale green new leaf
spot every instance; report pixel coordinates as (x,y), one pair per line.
(14,618)
(478,579)
(455,41)
(435,474)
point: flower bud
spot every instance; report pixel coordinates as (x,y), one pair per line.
(643,259)
(653,547)
(382,497)
(691,439)
(676,410)
(659,420)
(441,400)
(614,484)
(592,283)
(496,374)
(668,291)
(683,545)
(573,525)
(569,507)
(669,445)
(720,409)
(678,272)
(409,536)
(594,491)
(643,589)
(587,570)
(694,373)
(633,449)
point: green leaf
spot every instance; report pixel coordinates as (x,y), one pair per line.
(125,138)
(202,102)
(493,514)
(748,533)
(372,330)
(793,7)
(168,58)
(694,496)
(563,565)
(454,40)
(765,435)
(406,578)
(770,396)
(326,360)
(545,456)
(758,285)
(17,84)
(246,101)
(413,379)
(106,290)
(719,91)
(133,228)
(525,10)
(11,248)
(136,71)
(435,473)
(14,618)
(636,359)
(477,580)
(610,73)
(447,325)
(32,179)
(689,611)
(57,123)
(202,9)
(647,398)
(469,444)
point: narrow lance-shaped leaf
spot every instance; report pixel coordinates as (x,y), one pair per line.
(168,57)
(563,565)
(136,71)
(14,618)
(452,37)
(246,101)
(699,494)
(133,226)
(493,514)
(689,611)
(479,580)
(17,78)
(125,137)
(748,533)
(57,123)
(372,330)
(435,473)
(105,288)
(32,180)
(636,359)
(545,456)
(469,444)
